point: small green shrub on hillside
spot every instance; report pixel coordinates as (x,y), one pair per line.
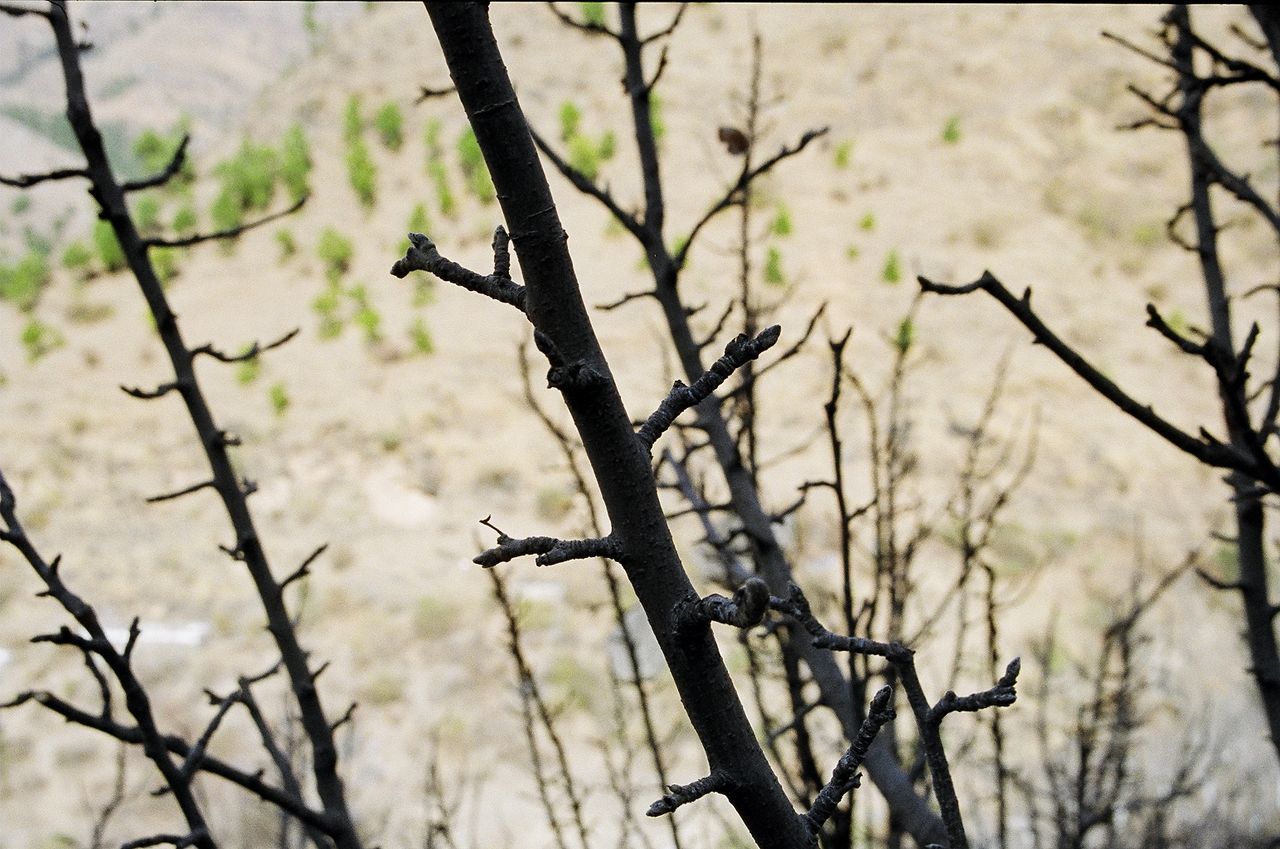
(110,254)
(20,284)
(184,220)
(951,130)
(335,251)
(570,117)
(352,123)
(164,261)
(389,123)
(146,215)
(249,177)
(362,173)
(39,339)
(782,221)
(773,273)
(892,271)
(422,342)
(288,246)
(592,14)
(295,162)
(444,193)
(78,259)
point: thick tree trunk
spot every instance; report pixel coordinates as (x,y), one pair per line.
(620,462)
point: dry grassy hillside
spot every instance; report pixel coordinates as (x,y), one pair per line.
(961,139)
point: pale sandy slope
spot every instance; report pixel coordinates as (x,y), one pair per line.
(394,459)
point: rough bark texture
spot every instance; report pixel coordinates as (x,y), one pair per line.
(620,461)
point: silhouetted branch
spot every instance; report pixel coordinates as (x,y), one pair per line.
(738,352)
(683,794)
(424,256)
(23,181)
(845,775)
(166,174)
(222,235)
(1207,450)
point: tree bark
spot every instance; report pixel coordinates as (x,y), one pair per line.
(619,460)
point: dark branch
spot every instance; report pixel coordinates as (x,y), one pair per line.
(164,176)
(423,256)
(23,181)
(1210,451)
(845,775)
(550,550)
(253,351)
(740,351)
(683,794)
(229,233)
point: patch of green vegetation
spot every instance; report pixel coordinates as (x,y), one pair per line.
(110,254)
(844,154)
(389,122)
(362,173)
(248,183)
(326,306)
(295,162)
(247,371)
(279,399)
(851,252)
(584,156)
(656,122)
(570,118)
(164,262)
(781,225)
(39,339)
(892,271)
(146,214)
(592,14)
(288,245)
(951,130)
(423,343)
(905,336)
(445,198)
(335,251)
(868,222)
(184,220)
(20,284)
(773,273)
(78,259)
(352,123)
(20,204)
(474,170)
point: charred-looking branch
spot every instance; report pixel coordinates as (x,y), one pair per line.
(550,550)
(740,351)
(620,463)
(845,775)
(23,181)
(682,794)
(93,643)
(110,195)
(1206,449)
(222,235)
(928,717)
(748,606)
(167,173)
(423,256)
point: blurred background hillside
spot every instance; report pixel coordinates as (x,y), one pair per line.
(961,138)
